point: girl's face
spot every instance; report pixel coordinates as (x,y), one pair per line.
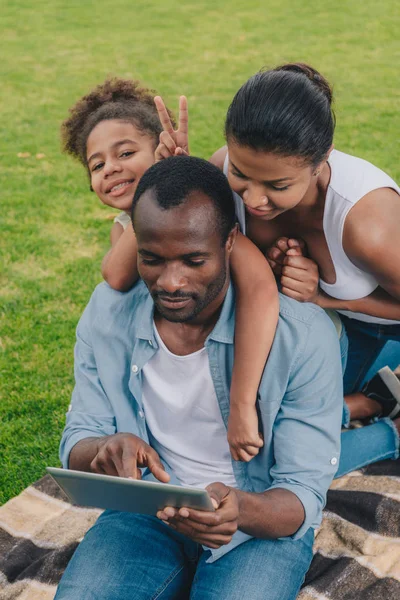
(118,154)
(270,184)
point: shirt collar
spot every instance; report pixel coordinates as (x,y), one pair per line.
(223,331)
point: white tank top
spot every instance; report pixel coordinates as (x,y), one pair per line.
(351,179)
(184,418)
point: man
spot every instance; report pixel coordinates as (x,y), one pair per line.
(153,370)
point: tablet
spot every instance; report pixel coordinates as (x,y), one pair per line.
(131,495)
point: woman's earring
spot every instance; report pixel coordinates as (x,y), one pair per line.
(317,173)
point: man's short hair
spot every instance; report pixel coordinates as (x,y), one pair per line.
(172,180)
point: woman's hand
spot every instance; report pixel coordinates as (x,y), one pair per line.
(173,142)
(300,278)
(276,254)
(299,275)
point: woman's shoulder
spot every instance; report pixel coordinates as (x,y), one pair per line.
(218,158)
(352,177)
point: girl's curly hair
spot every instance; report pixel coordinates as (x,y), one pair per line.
(122,99)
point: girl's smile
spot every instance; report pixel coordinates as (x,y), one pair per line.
(119,188)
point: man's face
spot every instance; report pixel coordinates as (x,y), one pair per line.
(180,256)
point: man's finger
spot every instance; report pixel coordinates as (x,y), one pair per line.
(214,542)
(218,491)
(96,466)
(155,465)
(194,528)
(163,115)
(129,466)
(183,115)
(106,462)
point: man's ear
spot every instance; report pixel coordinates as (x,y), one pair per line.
(230,242)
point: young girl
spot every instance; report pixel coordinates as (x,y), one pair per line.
(114,131)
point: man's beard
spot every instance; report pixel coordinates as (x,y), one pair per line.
(200,302)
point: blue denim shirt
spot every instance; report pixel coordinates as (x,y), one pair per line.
(300,395)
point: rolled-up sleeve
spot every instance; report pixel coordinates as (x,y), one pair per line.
(307,429)
(90,413)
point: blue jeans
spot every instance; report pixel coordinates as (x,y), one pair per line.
(370,347)
(128,556)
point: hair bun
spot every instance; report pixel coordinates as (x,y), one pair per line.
(312,74)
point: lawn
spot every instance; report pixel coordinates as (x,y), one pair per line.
(54,232)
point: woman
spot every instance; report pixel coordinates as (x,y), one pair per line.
(329,224)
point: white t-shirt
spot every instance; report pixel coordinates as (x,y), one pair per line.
(184,418)
(123,219)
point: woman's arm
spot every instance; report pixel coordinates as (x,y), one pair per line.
(119,266)
(300,281)
(378,304)
(371,240)
(257,310)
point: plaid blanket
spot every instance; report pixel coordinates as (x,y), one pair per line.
(357,547)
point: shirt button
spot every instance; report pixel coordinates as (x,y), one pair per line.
(141,414)
(333,461)
(150,342)
(135,368)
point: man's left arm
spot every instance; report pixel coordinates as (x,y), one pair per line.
(306,448)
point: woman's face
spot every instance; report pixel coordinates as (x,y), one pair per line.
(269,184)
(118,154)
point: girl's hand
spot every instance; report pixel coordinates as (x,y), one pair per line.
(282,246)
(244,438)
(173,142)
(300,278)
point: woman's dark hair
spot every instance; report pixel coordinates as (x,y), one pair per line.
(173,180)
(286,110)
(122,99)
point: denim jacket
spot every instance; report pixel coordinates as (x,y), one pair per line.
(300,397)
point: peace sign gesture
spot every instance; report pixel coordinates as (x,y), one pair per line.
(173,142)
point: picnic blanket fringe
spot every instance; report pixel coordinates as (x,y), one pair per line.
(356,550)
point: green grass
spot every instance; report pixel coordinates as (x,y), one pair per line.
(53,231)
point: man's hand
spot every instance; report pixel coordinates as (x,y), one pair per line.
(211,529)
(123,454)
(173,142)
